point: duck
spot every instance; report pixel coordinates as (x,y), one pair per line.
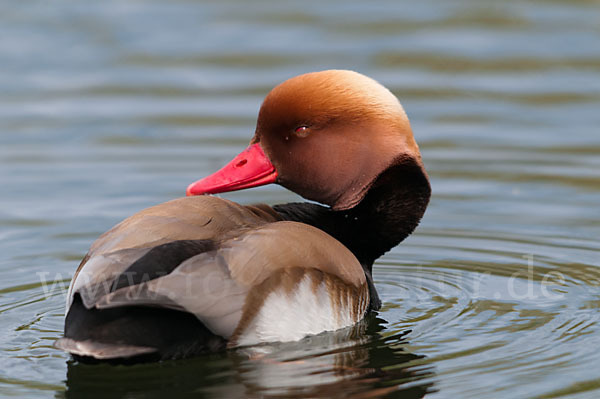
(201,274)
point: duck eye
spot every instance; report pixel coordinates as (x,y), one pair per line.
(301,131)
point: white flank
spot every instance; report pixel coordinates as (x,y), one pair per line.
(292,316)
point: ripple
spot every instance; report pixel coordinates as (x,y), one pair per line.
(449,63)
(466,307)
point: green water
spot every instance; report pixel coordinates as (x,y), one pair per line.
(109,107)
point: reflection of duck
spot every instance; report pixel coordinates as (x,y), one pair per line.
(352,362)
(189,275)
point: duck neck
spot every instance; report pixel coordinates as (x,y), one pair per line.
(389,212)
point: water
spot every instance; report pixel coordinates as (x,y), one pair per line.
(109,107)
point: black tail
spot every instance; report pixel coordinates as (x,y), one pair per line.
(134,334)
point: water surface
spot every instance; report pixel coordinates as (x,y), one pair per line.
(109,107)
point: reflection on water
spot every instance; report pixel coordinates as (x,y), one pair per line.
(113,106)
(355,362)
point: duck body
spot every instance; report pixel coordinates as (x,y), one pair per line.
(234,268)
(201,273)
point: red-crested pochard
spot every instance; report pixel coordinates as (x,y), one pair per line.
(202,273)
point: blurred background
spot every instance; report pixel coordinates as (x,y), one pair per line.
(109,107)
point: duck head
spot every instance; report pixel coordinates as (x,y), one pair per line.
(325,135)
